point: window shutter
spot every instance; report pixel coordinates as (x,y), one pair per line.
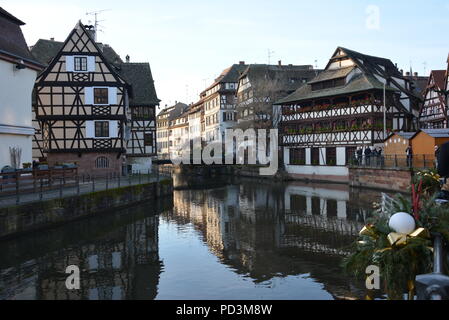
(113,129)
(88,95)
(69,63)
(90,129)
(91,63)
(112,95)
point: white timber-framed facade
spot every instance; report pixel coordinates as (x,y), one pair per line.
(433,114)
(325,121)
(81,108)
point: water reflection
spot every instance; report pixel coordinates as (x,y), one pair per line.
(220,238)
(267,231)
(117,255)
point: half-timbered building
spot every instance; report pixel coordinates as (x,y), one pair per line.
(86,84)
(433,114)
(165,120)
(81,107)
(260,85)
(141,128)
(323,122)
(219,103)
(179,134)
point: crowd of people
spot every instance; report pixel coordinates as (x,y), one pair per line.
(369,155)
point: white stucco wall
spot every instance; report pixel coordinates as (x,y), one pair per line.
(318,170)
(341,156)
(140,164)
(10,140)
(16,128)
(339,170)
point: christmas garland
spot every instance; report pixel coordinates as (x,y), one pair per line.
(398,240)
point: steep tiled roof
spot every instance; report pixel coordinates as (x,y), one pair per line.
(138,75)
(439,78)
(178,109)
(332,74)
(6,15)
(45,50)
(229,75)
(361,82)
(12,41)
(366,80)
(288,77)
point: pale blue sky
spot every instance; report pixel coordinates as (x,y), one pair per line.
(188,43)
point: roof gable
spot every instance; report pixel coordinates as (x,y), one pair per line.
(437,78)
(343,64)
(78,42)
(138,75)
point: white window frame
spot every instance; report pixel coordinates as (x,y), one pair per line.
(70,63)
(89,98)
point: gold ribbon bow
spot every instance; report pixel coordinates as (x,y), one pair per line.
(398,239)
(395,239)
(368,230)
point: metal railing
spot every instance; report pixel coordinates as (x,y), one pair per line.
(27,186)
(420,161)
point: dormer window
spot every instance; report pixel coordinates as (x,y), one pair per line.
(339,82)
(80,64)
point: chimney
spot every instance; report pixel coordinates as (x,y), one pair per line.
(91,30)
(127,58)
(415,74)
(242,62)
(279,63)
(52,39)
(402,71)
(407,74)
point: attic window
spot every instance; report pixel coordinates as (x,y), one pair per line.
(80,63)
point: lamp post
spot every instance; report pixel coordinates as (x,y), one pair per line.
(385,111)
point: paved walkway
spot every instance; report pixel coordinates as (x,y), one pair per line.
(84,187)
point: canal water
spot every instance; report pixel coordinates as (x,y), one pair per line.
(215,239)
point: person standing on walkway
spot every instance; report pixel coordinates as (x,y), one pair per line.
(437,152)
(409,152)
(368,155)
(359,156)
(443,171)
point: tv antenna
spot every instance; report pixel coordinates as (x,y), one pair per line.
(96,21)
(270,54)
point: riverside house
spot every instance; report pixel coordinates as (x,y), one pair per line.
(433,114)
(18,71)
(325,121)
(260,85)
(220,102)
(91,108)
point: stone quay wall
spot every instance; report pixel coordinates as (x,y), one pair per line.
(39,215)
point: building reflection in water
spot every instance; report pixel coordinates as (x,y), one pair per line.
(117,255)
(264,230)
(259,230)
